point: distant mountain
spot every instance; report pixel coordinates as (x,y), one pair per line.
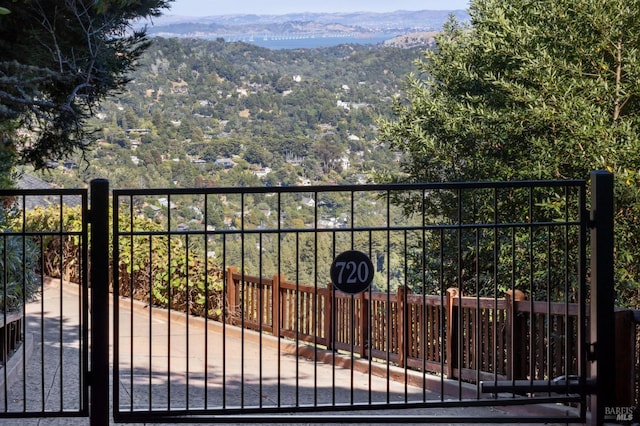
(354,25)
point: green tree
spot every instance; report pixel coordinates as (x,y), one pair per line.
(60,59)
(532,90)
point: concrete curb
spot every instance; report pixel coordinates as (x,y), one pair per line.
(16,361)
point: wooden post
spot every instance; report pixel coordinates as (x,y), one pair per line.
(625,362)
(451,319)
(364,324)
(328,315)
(276,312)
(402,319)
(232,292)
(514,337)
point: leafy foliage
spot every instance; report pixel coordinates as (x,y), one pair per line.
(61,253)
(192,102)
(19,257)
(59,61)
(532,90)
(156,270)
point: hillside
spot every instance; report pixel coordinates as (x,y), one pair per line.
(201,113)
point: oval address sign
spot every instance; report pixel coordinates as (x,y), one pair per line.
(352,272)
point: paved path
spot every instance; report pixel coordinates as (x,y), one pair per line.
(261,372)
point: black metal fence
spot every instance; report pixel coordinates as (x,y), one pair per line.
(44,321)
(183,348)
(224,311)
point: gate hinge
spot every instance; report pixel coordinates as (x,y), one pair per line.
(591,351)
(591,218)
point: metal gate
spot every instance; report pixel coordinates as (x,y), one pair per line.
(43,317)
(224,310)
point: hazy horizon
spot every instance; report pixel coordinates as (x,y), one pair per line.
(197,8)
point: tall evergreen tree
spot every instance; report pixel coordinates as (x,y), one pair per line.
(58,60)
(532,90)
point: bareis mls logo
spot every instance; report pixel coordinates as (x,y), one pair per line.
(619,414)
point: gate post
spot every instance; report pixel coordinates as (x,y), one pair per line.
(602,295)
(99,279)
(515,340)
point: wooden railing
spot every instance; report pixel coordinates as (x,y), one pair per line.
(473,338)
(10,334)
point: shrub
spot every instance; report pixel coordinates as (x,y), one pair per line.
(19,258)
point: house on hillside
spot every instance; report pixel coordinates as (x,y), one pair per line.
(227,163)
(164,202)
(27,181)
(309,202)
(262,172)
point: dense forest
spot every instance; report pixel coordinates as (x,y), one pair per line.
(200,113)
(212,113)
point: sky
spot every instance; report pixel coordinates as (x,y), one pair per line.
(277,7)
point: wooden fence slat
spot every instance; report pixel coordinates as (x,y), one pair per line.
(514,324)
(232,298)
(418,331)
(452,331)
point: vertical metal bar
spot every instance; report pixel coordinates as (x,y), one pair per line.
(186,315)
(297,316)
(276,321)
(260,319)
(169,296)
(150,367)
(99,413)
(333,328)
(443,316)
(532,295)
(423,280)
(353,305)
(116,305)
(131,306)
(370,328)
(404,317)
(512,340)
(243,304)
(352,331)
(477,329)
(550,319)
(5,355)
(224,322)
(566,278)
(602,294)
(388,312)
(42,326)
(84,283)
(206,301)
(60,308)
(23,324)
(582,295)
(459,266)
(477,326)
(316,314)
(496,260)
